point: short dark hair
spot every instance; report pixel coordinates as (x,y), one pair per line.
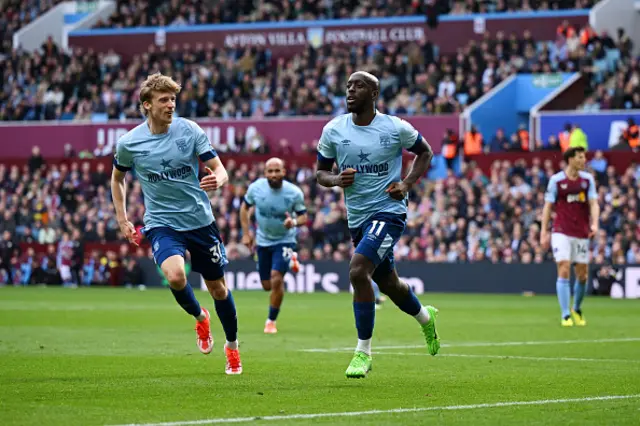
(571,152)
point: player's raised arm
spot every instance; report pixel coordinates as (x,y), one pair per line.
(122,163)
(422,161)
(216,173)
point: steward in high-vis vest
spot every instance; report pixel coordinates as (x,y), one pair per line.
(578,138)
(523,137)
(450,147)
(472,143)
(564,137)
(632,134)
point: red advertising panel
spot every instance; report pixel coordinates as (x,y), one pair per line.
(19,138)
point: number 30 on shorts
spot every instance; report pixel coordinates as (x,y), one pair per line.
(216,253)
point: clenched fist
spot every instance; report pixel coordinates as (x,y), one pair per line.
(398,190)
(210,181)
(346,178)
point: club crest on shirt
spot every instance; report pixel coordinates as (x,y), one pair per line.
(182,144)
(385,140)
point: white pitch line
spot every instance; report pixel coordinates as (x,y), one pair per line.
(391,411)
(487,344)
(530,358)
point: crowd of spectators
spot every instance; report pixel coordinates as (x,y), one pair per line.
(64,209)
(52,84)
(463,218)
(249,82)
(470,217)
(135,13)
(621,92)
(16,14)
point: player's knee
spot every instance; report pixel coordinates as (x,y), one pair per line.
(176,277)
(217,288)
(358,274)
(564,269)
(266,285)
(581,273)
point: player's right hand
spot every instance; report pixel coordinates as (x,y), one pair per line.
(545,239)
(129,232)
(346,178)
(247,240)
(210,181)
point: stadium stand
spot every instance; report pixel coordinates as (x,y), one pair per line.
(130,13)
(471,217)
(249,83)
(16,14)
(474,217)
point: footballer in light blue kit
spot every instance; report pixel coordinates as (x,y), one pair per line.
(367,147)
(279,209)
(164,153)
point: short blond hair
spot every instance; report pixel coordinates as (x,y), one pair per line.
(153,84)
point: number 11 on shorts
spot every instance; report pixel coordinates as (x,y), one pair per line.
(380,225)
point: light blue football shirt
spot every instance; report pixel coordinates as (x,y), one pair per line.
(375,151)
(271,208)
(167,167)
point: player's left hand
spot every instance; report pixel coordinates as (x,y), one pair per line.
(210,181)
(398,190)
(288,222)
(594,230)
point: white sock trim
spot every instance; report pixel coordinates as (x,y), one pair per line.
(423,316)
(202,316)
(232,345)
(364,346)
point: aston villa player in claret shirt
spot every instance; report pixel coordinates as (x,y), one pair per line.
(572,193)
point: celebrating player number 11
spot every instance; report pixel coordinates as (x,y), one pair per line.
(367,147)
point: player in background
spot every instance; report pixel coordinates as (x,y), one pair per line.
(64,260)
(274,200)
(367,147)
(178,216)
(573,193)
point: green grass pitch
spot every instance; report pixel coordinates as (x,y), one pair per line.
(115,356)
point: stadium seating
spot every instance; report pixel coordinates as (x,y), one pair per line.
(15,14)
(471,218)
(616,74)
(236,83)
(190,12)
